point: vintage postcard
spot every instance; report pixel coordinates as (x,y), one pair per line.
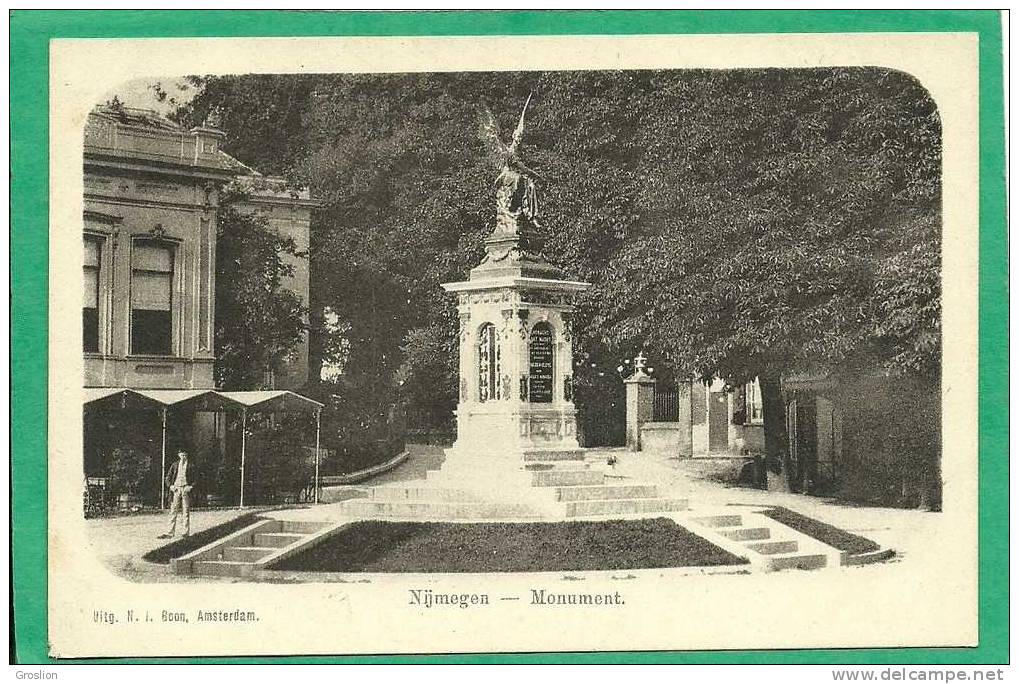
(505,344)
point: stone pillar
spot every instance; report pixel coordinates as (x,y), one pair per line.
(685,417)
(640,396)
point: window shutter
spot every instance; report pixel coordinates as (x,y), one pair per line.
(91,273)
(92,252)
(91,288)
(150,291)
(149,257)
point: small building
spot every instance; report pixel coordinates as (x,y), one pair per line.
(693,418)
(865,437)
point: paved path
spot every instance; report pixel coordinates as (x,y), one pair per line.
(120,542)
(908,532)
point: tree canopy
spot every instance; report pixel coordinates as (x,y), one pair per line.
(258,322)
(734,223)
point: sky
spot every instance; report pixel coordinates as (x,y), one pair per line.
(139,93)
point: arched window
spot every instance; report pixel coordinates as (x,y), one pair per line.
(489,384)
(541,357)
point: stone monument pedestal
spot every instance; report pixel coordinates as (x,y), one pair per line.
(515,364)
(516,373)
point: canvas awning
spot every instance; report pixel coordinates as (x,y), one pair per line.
(118,398)
(272,401)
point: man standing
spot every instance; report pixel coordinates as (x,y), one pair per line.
(180,480)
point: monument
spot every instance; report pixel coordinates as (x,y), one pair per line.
(516,455)
(516,338)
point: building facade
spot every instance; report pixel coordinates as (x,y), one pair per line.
(866,437)
(151,194)
(695,418)
(151,191)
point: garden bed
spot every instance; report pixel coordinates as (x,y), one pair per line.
(377,546)
(823,532)
(185,545)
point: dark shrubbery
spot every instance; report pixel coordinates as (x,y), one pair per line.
(128,468)
(376,546)
(357,456)
(891,451)
(823,532)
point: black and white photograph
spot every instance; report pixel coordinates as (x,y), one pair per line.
(572,349)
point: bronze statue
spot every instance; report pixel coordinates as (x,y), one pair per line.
(515,194)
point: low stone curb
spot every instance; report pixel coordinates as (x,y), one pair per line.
(362,475)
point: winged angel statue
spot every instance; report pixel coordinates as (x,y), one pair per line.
(515,194)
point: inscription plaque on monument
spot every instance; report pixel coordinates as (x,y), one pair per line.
(541,364)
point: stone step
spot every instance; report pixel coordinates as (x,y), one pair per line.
(276,540)
(221,568)
(624,506)
(726,520)
(436,510)
(334,494)
(597,492)
(869,557)
(422,494)
(247,554)
(554,455)
(773,547)
(301,526)
(542,466)
(746,533)
(560,478)
(800,561)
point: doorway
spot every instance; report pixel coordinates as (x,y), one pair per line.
(718,422)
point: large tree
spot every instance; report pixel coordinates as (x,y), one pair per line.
(258,321)
(736,223)
(800,231)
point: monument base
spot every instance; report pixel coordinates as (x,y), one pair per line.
(496,428)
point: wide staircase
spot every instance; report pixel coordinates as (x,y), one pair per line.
(547,484)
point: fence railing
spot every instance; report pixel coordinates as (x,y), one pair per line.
(665,408)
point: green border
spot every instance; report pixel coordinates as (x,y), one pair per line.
(30,32)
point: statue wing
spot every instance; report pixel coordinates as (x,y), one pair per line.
(518,134)
(489,129)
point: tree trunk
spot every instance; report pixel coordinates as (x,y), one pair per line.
(776,440)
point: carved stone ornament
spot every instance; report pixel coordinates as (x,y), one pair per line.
(544,297)
(522,315)
(567,327)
